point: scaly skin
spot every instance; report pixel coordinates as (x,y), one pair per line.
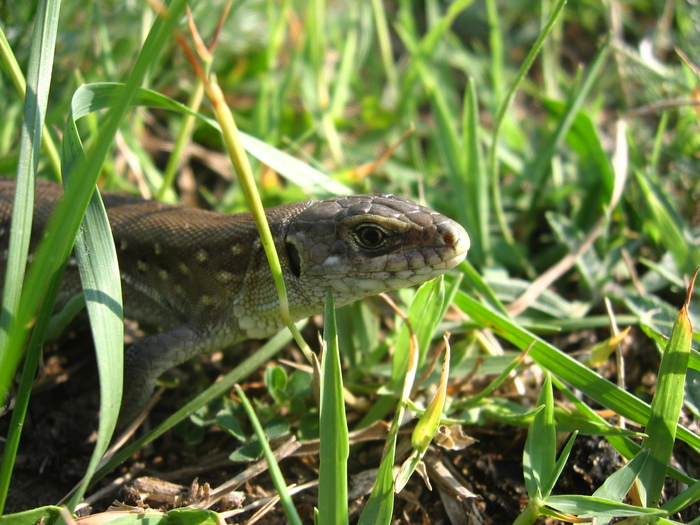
(203,278)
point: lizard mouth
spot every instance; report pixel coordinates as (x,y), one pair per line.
(378,281)
(456,260)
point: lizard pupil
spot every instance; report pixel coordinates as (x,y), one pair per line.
(371,237)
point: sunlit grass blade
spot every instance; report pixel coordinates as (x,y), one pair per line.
(540,447)
(617,486)
(36,101)
(103,94)
(559,465)
(358,333)
(342,89)
(380,505)
(101,282)
(62,229)
(683,500)
(496,43)
(600,507)
(231,137)
(15,72)
(540,166)
(619,483)
(495,383)
(275,472)
(476,184)
(493,160)
(333,429)
(386,52)
(478,284)
(424,315)
(33,516)
(38,84)
(319,96)
(31,363)
(53,252)
(666,406)
(565,367)
(664,225)
(268,107)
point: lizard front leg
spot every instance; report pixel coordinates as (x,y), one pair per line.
(147,360)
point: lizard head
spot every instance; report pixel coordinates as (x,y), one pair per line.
(363,245)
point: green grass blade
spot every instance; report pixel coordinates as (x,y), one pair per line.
(616,487)
(267,116)
(62,229)
(666,407)
(477,284)
(496,43)
(15,72)
(475,183)
(38,85)
(426,427)
(492,168)
(319,97)
(48,514)
(334,445)
(494,384)
(574,504)
(36,101)
(358,333)
(683,500)
(101,95)
(437,31)
(380,506)
(540,446)
(424,315)
(540,166)
(583,137)
(560,464)
(100,278)
(294,170)
(566,368)
(618,484)
(624,446)
(386,52)
(664,225)
(31,363)
(275,472)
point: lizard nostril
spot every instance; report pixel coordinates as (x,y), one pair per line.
(448,234)
(451,235)
(448,238)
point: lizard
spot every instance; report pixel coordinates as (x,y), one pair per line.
(202,278)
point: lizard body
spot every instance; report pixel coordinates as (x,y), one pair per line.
(203,278)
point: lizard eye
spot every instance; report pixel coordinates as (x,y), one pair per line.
(370,236)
